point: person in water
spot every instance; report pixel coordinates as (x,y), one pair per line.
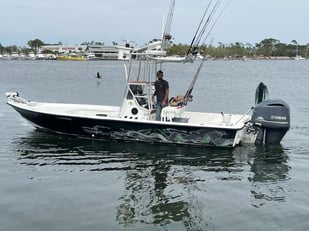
(161,93)
(98,75)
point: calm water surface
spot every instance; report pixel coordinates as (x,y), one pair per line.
(51,182)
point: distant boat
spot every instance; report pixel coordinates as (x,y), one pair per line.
(298,57)
(170,59)
(71,58)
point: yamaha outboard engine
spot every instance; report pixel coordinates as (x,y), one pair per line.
(272,118)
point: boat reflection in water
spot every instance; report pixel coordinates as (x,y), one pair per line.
(163,184)
(270,170)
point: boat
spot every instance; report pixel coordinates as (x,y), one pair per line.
(297,56)
(71,58)
(134,120)
(174,59)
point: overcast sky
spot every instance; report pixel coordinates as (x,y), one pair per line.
(76,21)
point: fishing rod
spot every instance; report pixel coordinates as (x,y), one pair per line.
(194,46)
(191,86)
(188,95)
(198,28)
(215,22)
(213,11)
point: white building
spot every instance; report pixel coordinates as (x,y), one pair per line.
(97,52)
(106,52)
(64,49)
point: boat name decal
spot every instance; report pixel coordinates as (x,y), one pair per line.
(273,117)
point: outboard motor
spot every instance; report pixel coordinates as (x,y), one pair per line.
(272,118)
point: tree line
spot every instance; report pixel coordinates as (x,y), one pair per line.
(33,46)
(267,48)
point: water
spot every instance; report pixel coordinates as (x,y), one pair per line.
(51,182)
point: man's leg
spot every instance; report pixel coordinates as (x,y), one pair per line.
(158,111)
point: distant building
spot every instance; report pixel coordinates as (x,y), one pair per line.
(63,49)
(95,51)
(106,52)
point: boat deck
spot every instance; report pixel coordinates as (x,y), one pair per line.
(83,110)
(216,119)
(231,121)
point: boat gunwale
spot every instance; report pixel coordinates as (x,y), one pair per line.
(29,106)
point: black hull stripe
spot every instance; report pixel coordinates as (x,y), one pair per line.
(104,128)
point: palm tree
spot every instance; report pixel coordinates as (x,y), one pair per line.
(35,45)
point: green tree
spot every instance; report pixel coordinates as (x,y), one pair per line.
(294,42)
(237,50)
(267,46)
(11,49)
(35,45)
(280,50)
(1,49)
(179,49)
(25,50)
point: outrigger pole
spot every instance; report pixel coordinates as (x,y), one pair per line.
(166,37)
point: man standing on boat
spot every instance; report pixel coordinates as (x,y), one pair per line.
(161,92)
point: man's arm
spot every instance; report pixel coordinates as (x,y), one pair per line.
(165,97)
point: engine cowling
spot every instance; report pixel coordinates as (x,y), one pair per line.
(272,117)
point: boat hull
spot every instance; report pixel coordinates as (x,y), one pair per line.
(130,130)
(71,58)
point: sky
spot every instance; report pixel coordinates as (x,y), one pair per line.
(76,21)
